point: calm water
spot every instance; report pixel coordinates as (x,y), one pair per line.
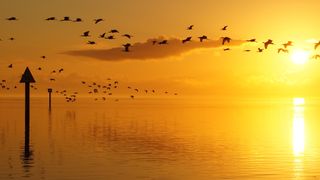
(162,139)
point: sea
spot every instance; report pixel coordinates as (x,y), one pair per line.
(161,139)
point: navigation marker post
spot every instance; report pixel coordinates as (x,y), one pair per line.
(27,78)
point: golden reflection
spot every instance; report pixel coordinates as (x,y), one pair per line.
(298,134)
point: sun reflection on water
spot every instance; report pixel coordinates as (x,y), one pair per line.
(298,137)
(298,134)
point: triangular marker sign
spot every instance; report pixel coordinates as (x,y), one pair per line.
(27,77)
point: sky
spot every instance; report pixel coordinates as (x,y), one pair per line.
(192,68)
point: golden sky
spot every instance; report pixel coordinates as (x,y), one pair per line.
(191,69)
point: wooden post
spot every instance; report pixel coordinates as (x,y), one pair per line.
(50,91)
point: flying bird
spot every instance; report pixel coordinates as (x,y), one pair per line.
(188,39)
(113,31)
(225,39)
(227,49)
(50,19)
(86,34)
(251,40)
(190,27)
(260,50)
(91,42)
(66,18)
(128,36)
(102,35)
(315,56)
(289,43)
(110,37)
(78,20)
(224,28)
(60,70)
(43,57)
(203,38)
(316,45)
(283,50)
(12,19)
(267,43)
(154,42)
(96,21)
(163,42)
(10,66)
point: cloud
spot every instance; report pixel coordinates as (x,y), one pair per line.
(146,50)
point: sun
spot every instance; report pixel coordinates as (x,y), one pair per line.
(300,56)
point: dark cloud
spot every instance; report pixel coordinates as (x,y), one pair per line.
(146,50)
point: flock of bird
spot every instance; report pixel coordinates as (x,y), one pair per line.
(99,91)
(104,90)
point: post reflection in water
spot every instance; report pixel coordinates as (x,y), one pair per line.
(27,155)
(298,135)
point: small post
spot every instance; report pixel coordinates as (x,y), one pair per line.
(49,91)
(27,78)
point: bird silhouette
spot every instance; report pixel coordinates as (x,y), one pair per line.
(110,37)
(267,43)
(225,39)
(78,20)
(188,39)
(60,70)
(12,19)
(66,18)
(86,34)
(224,28)
(11,39)
(113,31)
(154,42)
(126,47)
(96,21)
(39,68)
(190,27)
(315,56)
(128,36)
(202,38)
(102,35)
(260,50)
(289,43)
(316,45)
(163,42)
(10,66)
(50,19)
(251,40)
(247,50)
(43,57)
(226,49)
(283,50)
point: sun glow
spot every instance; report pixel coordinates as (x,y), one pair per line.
(300,56)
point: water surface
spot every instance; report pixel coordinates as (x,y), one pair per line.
(162,139)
